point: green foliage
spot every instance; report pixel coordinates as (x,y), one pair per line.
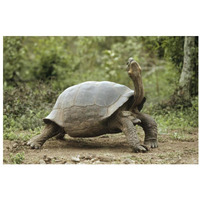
(182,118)
(11,134)
(13,60)
(181,137)
(160,82)
(17,158)
(72,59)
(174,50)
(24,108)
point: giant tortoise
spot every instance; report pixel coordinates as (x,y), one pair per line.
(94,108)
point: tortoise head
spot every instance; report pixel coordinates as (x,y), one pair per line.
(133,68)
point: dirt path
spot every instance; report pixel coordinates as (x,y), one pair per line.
(107,149)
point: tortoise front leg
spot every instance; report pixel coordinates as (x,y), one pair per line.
(150,128)
(125,124)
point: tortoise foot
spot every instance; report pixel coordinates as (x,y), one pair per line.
(152,143)
(140,148)
(35,143)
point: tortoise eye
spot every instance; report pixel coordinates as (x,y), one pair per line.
(130,60)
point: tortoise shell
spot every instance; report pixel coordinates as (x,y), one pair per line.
(87,104)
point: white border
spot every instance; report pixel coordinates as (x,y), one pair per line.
(148,18)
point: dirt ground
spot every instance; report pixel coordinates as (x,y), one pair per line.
(106,149)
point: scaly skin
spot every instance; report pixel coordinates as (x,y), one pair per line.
(51,129)
(127,127)
(125,122)
(149,126)
(134,72)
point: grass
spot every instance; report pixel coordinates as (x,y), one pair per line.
(170,119)
(17,158)
(22,135)
(24,108)
(181,137)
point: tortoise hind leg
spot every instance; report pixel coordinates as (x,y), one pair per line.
(61,135)
(51,129)
(150,128)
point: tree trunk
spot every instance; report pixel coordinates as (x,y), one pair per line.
(187,71)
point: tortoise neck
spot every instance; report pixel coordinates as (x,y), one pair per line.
(139,90)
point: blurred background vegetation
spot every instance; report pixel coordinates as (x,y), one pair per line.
(37,69)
